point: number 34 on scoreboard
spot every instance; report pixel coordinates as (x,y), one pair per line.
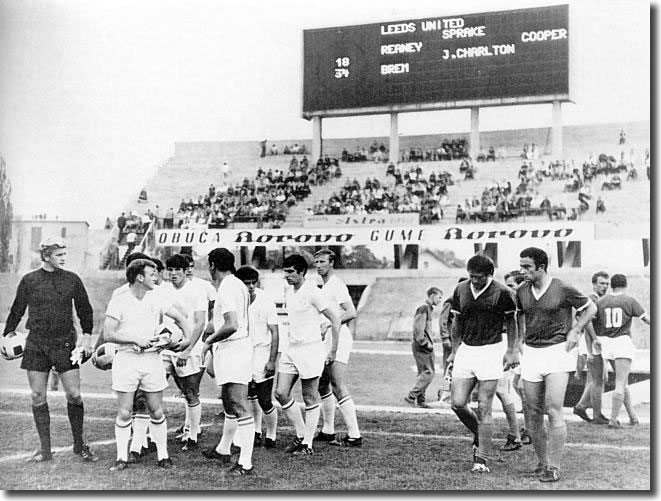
(342,70)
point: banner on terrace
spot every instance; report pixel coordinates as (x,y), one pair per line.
(396,235)
(406,219)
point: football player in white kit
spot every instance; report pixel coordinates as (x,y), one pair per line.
(232,360)
(186,366)
(264,334)
(332,384)
(306,355)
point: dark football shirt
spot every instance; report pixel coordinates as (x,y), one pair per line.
(549,318)
(614,314)
(481,319)
(49,297)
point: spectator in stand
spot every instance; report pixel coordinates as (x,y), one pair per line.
(108,224)
(131,241)
(121,223)
(601,206)
(168,220)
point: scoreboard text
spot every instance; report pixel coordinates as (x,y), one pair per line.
(476,57)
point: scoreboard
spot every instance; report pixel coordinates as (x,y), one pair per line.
(490,58)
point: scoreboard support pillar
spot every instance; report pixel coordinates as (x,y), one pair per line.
(475,132)
(556,130)
(394,138)
(317,148)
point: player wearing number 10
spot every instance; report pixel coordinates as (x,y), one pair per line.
(612,325)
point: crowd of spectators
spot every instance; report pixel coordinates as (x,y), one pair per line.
(265,200)
(448,150)
(400,192)
(376,152)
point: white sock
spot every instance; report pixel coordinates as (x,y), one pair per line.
(271,418)
(348,409)
(140,425)
(122,437)
(229,428)
(293,413)
(187,418)
(311,421)
(159,431)
(328,413)
(256,413)
(246,433)
(195,414)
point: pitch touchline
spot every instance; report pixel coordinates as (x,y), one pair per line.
(17,457)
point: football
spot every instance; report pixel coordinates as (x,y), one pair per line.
(104,355)
(12,347)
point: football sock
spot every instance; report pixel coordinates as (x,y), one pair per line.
(557,439)
(271,419)
(485,434)
(616,405)
(187,417)
(538,435)
(468,417)
(597,387)
(311,421)
(512,421)
(122,437)
(328,413)
(159,432)
(348,409)
(256,413)
(229,428)
(293,413)
(42,421)
(246,434)
(195,415)
(140,425)
(585,400)
(76,413)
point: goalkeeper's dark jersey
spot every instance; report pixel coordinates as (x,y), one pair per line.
(49,297)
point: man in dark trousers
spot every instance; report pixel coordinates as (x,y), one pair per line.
(423,348)
(49,292)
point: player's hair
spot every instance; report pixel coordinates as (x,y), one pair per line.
(50,244)
(618,281)
(516,275)
(189,258)
(177,261)
(137,255)
(159,264)
(326,252)
(538,256)
(296,261)
(222,259)
(434,290)
(137,267)
(461,279)
(599,274)
(480,263)
(247,273)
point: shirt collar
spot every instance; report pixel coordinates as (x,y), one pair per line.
(477,294)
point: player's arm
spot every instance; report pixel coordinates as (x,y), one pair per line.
(86,315)
(348,312)
(273,355)
(585,315)
(111,335)
(229,327)
(198,328)
(645,317)
(18,308)
(513,353)
(184,324)
(443,324)
(334,320)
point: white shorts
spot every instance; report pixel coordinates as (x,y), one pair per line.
(536,363)
(193,365)
(260,355)
(482,362)
(131,371)
(617,347)
(307,360)
(344,344)
(232,361)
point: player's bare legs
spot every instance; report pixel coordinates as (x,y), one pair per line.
(622,369)
(460,396)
